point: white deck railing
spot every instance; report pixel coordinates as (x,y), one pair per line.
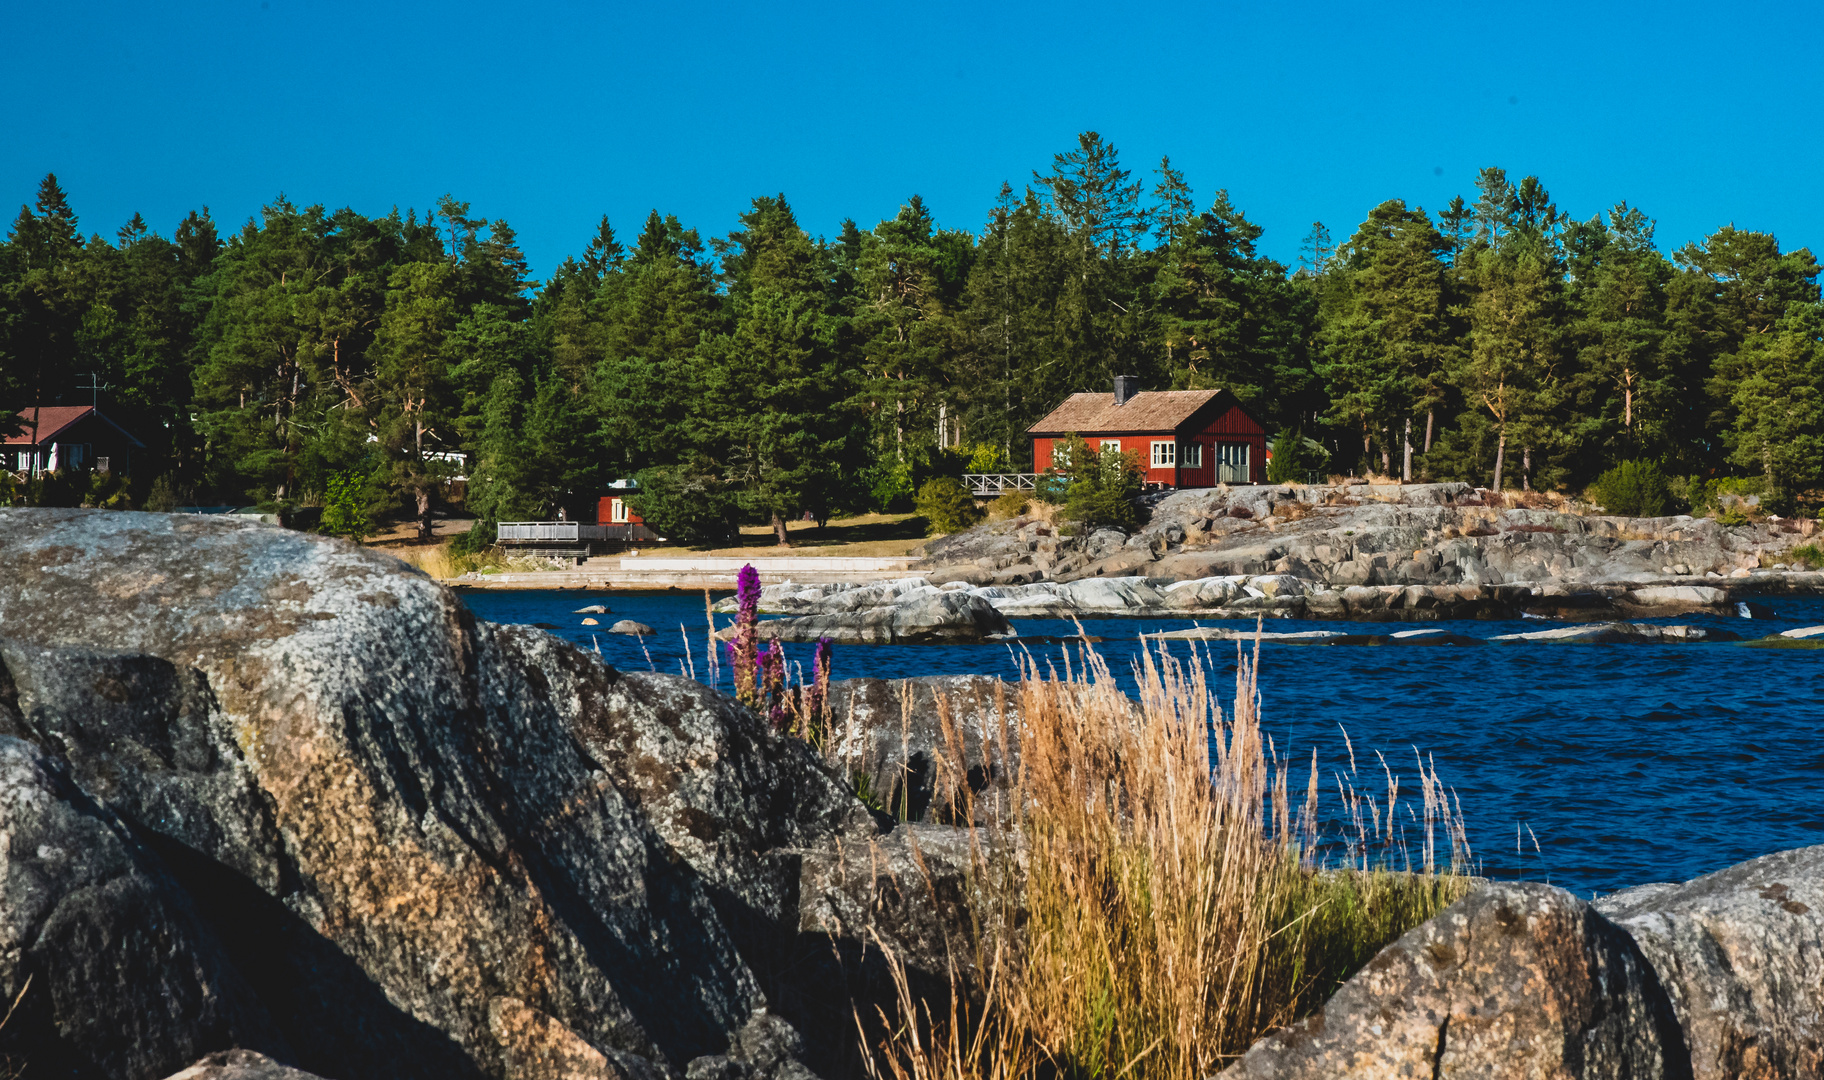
(998,483)
(540,530)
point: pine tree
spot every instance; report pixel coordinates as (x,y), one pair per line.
(1778,397)
(1094,197)
(414,406)
(1385,337)
(1315,253)
(1174,212)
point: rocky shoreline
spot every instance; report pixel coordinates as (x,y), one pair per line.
(1392,535)
(1389,553)
(912,610)
(276,806)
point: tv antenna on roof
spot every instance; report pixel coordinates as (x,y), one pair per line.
(95,387)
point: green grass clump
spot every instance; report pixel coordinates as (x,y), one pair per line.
(1808,556)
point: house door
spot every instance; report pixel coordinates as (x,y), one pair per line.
(1232,464)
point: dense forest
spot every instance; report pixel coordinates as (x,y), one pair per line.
(771,373)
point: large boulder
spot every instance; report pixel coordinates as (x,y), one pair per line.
(935,749)
(240,1064)
(1716,978)
(108,968)
(421,844)
(1513,981)
(1741,955)
(922,616)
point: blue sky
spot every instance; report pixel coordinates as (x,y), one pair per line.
(550,115)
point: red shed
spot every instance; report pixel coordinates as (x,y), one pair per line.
(1185,438)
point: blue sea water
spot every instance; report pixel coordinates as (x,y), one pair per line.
(1624,763)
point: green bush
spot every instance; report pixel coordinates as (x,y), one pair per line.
(163,496)
(987,458)
(1103,486)
(1632,489)
(946,505)
(1707,497)
(481,536)
(1810,556)
(890,486)
(1295,458)
(345,508)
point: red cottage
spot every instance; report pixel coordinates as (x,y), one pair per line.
(68,437)
(1184,438)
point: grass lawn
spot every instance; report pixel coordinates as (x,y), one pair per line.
(868,536)
(390,534)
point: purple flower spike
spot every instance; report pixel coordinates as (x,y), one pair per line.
(743,660)
(747,593)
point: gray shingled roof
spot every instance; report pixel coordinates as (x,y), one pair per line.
(1148,411)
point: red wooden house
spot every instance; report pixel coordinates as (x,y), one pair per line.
(1184,438)
(68,437)
(614,512)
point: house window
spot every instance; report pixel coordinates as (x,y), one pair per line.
(1232,463)
(1060,454)
(25,461)
(1190,455)
(1165,455)
(617,511)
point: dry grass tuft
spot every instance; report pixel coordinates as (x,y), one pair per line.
(1010,505)
(1164,900)
(443,564)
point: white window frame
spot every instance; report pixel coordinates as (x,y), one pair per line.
(1190,456)
(1060,453)
(617,512)
(1165,454)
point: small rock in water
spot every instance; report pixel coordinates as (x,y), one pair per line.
(547,626)
(593,609)
(592,622)
(628,626)
(1748,609)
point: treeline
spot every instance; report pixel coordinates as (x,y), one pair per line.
(769,373)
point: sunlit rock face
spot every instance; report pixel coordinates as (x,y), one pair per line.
(350,826)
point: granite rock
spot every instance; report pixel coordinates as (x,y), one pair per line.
(1513,981)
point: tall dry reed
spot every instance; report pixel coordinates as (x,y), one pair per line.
(1161,900)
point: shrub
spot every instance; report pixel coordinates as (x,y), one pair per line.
(1103,486)
(987,458)
(163,497)
(1809,556)
(1010,505)
(1295,458)
(947,505)
(345,508)
(1632,489)
(481,536)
